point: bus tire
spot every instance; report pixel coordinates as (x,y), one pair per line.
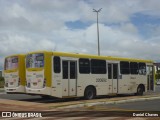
(89,93)
(140,90)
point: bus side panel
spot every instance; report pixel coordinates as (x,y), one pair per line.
(22,69)
(133,83)
(101,83)
(56,90)
(143,80)
(129,83)
(98,81)
(83,81)
(123,84)
(47,71)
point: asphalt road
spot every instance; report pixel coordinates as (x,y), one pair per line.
(149,105)
(18,96)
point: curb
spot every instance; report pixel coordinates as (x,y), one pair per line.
(109,102)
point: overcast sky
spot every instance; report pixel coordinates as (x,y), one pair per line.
(128,28)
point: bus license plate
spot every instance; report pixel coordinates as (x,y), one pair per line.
(34,83)
(11,83)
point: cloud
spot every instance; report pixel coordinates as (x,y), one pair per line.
(113,42)
(41,25)
(14,43)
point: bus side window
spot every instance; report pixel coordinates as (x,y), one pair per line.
(124,67)
(84,66)
(56,64)
(65,69)
(109,71)
(134,67)
(142,69)
(98,66)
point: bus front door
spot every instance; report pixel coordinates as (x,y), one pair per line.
(69,81)
(113,77)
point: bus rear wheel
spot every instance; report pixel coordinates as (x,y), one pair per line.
(89,93)
(139,91)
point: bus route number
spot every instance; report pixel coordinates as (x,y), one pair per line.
(101,80)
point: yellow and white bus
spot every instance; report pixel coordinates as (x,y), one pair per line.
(63,75)
(14,74)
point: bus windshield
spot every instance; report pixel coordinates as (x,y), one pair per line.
(11,63)
(35,60)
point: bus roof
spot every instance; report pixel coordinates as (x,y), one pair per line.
(77,55)
(100,57)
(15,55)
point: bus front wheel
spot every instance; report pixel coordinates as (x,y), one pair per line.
(89,93)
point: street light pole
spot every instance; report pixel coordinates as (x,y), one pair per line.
(97,11)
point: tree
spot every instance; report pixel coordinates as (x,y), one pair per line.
(1,82)
(158,74)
